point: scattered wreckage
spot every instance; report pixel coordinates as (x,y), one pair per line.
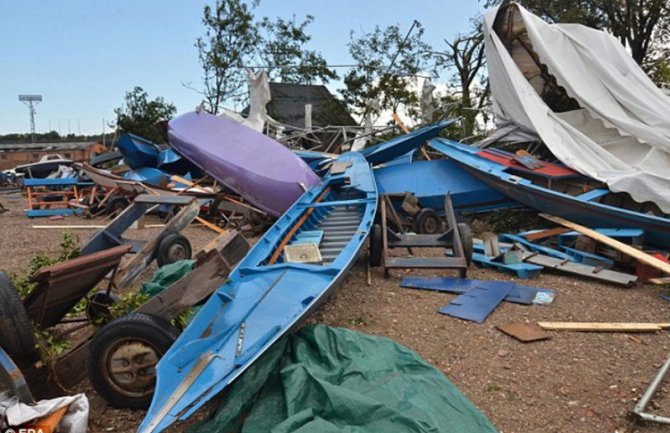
(607,197)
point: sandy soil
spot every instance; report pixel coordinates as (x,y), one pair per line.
(574,382)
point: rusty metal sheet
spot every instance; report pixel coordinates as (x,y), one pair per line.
(60,287)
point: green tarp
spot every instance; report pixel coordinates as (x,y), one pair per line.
(166,276)
(334,380)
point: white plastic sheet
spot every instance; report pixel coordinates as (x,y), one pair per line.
(620,135)
(13,413)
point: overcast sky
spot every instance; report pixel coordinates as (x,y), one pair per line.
(83,55)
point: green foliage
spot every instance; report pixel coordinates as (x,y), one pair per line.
(23,281)
(51,347)
(283,51)
(230,39)
(128,303)
(387,62)
(235,40)
(140,116)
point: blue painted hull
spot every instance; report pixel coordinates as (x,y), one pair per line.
(137,152)
(403,145)
(589,213)
(430,181)
(264,299)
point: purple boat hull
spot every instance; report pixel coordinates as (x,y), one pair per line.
(253,165)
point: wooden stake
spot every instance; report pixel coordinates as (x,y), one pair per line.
(640,256)
(603,326)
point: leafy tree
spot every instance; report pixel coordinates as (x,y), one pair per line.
(465,56)
(231,38)
(234,40)
(386,64)
(139,115)
(283,51)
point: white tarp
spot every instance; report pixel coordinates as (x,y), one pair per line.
(620,135)
(14,413)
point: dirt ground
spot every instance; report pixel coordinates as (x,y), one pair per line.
(573,382)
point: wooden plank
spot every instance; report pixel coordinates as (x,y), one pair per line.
(581,269)
(619,246)
(658,281)
(142,259)
(546,233)
(193,288)
(603,326)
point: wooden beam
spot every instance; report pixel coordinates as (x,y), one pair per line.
(603,326)
(640,256)
(546,233)
(658,281)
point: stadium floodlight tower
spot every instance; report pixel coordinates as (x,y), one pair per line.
(31,101)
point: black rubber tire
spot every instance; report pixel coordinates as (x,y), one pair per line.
(428,222)
(149,336)
(375,253)
(172,248)
(116,205)
(97,305)
(16,328)
(467,241)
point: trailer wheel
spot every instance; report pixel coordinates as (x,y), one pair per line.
(467,241)
(172,248)
(16,328)
(427,222)
(375,254)
(123,356)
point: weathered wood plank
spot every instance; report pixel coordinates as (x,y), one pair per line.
(603,326)
(619,246)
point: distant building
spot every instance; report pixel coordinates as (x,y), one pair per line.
(289,106)
(289,100)
(12,154)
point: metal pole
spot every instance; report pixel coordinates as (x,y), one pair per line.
(641,405)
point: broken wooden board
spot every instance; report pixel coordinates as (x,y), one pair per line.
(524,332)
(603,326)
(619,246)
(581,269)
(543,234)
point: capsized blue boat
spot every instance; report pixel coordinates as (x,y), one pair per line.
(268,292)
(137,152)
(430,181)
(404,144)
(553,190)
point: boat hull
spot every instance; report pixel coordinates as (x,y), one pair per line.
(591,214)
(249,163)
(266,295)
(430,181)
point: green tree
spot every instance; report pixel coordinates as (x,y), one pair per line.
(139,115)
(387,62)
(465,57)
(285,53)
(235,40)
(230,40)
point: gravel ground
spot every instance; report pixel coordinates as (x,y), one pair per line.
(574,382)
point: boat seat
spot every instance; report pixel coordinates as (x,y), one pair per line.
(308,237)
